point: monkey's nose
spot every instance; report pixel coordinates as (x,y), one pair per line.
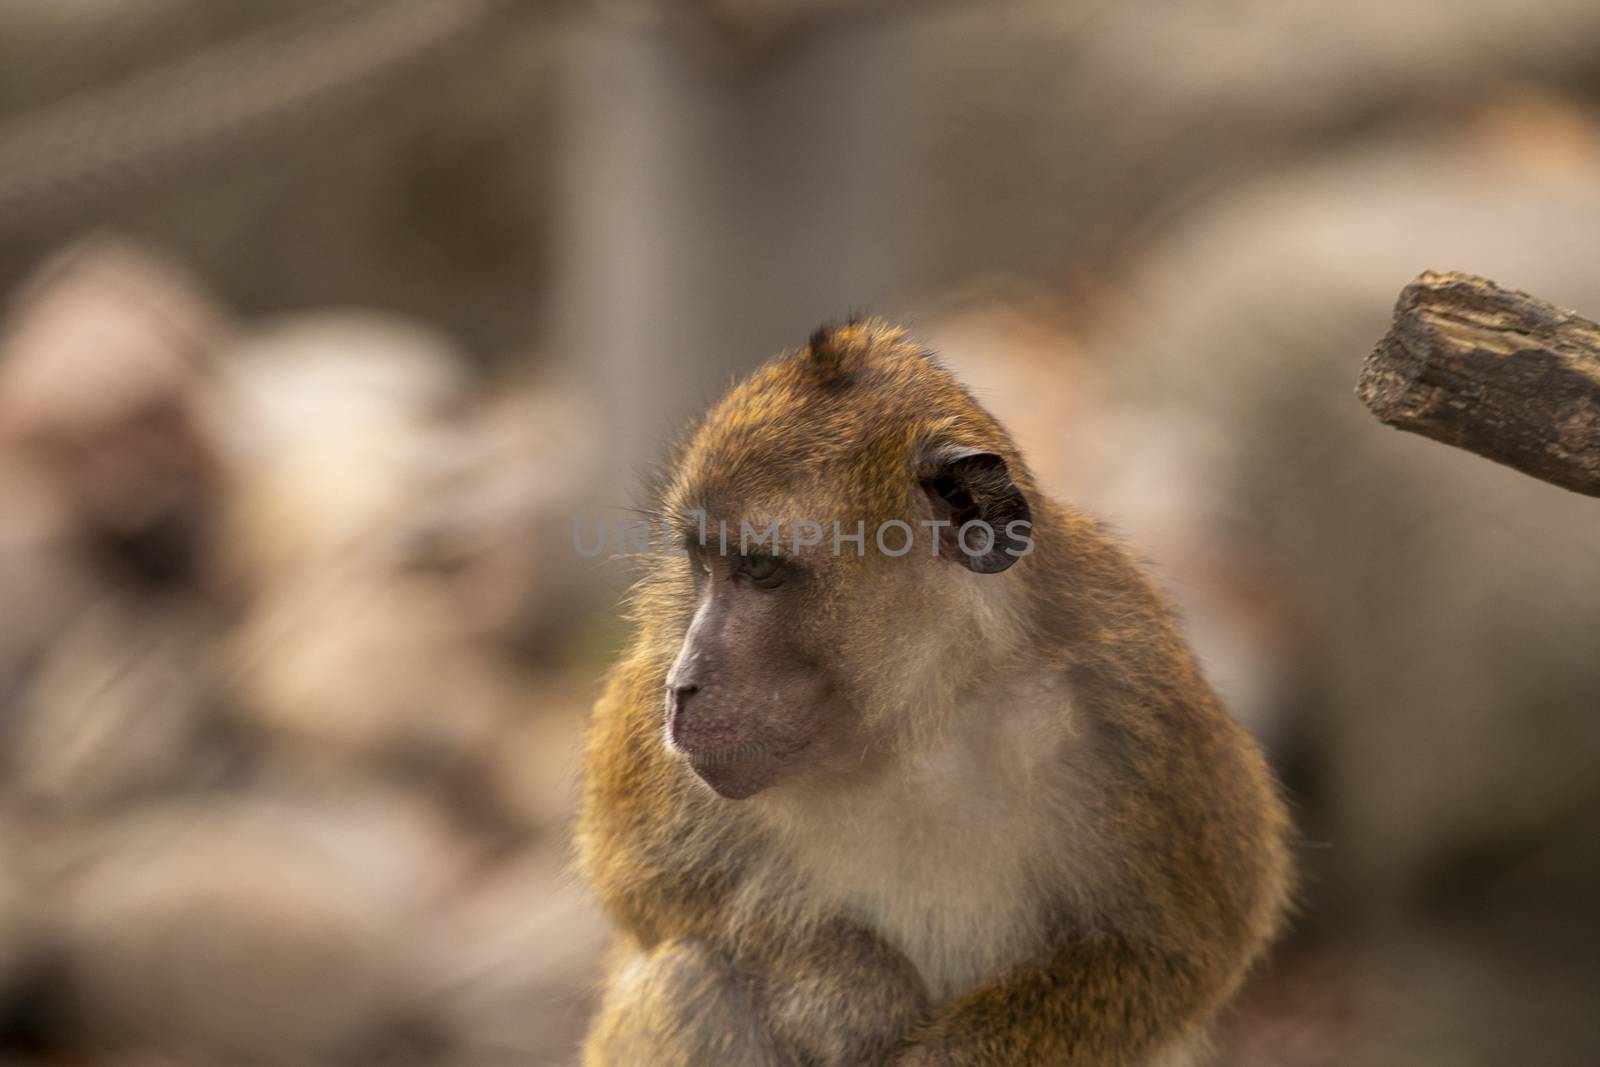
(677,702)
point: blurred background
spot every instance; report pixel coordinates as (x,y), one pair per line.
(327,319)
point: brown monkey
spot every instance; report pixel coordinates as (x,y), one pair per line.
(969,804)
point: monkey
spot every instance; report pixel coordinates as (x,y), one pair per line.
(968,804)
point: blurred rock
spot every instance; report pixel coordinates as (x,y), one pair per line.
(513,959)
(394,537)
(105,334)
(274,795)
(116,711)
(329,417)
(44,579)
(531,769)
(493,518)
(19,925)
(102,393)
(261,930)
(108,482)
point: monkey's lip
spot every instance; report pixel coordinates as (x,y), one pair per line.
(737,772)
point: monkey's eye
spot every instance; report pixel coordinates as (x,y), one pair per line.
(762,570)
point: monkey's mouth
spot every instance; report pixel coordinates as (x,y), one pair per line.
(739,771)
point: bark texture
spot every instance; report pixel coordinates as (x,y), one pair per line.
(1493,371)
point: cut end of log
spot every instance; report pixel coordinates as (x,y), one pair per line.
(1494,371)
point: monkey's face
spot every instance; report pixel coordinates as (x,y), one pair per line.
(800,652)
(750,697)
(852,466)
(800,659)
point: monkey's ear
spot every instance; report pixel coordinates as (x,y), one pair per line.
(967,485)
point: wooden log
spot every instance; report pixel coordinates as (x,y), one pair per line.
(1493,371)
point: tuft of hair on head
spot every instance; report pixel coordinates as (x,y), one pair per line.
(830,350)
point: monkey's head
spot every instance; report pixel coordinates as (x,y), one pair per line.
(847,513)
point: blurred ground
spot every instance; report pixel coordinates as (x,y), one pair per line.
(328,319)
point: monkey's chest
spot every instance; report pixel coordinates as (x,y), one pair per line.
(956,903)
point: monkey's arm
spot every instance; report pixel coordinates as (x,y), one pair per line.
(843,999)
(1093,1004)
(681,1004)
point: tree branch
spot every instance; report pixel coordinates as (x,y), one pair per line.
(1493,371)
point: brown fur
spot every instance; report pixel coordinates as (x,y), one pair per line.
(1055,848)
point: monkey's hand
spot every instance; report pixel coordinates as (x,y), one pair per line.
(1092,1004)
(682,1004)
(838,998)
(844,998)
